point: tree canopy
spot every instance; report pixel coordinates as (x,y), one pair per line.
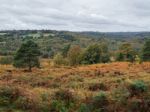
(146,51)
(27,55)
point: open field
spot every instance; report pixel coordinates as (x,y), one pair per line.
(40,87)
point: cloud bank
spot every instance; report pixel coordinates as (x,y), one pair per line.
(76,15)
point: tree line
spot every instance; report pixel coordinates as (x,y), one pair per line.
(29,53)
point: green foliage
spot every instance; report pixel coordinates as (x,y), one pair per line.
(91,55)
(47,52)
(65,50)
(105,56)
(120,95)
(137,87)
(59,41)
(6,60)
(27,55)
(16,99)
(68,96)
(138,105)
(58,106)
(59,60)
(95,54)
(74,55)
(138,59)
(146,51)
(66,99)
(8,95)
(100,102)
(120,57)
(126,53)
(84,108)
(26,103)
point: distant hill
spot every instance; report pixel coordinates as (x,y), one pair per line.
(52,41)
(122,35)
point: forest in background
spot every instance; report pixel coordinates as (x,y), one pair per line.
(51,41)
(76,71)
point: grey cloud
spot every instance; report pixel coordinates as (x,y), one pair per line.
(78,15)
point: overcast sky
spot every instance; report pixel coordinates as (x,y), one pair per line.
(76,15)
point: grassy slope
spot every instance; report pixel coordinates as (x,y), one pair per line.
(49,79)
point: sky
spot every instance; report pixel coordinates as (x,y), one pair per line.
(76,15)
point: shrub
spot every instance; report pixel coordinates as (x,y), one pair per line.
(6,60)
(45,102)
(73,55)
(28,101)
(8,95)
(134,105)
(91,55)
(141,104)
(119,57)
(58,106)
(126,53)
(24,103)
(67,97)
(59,60)
(100,102)
(120,95)
(137,87)
(105,58)
(84,108)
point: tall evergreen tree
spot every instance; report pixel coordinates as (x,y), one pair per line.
(27,56)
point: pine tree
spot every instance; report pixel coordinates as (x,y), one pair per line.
(27,56)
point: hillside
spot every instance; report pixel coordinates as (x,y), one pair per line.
(51,89)
(51,42)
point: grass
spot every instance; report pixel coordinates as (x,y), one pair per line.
(38,91)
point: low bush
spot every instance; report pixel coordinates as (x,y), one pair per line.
(67,99)
(17,98)
(28,101)
(137,87)
(100,102)
(84,108)
(6,60)
(66,95)
(135,105)
(59,60)
(58,106)
(8,95)
(120,95)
